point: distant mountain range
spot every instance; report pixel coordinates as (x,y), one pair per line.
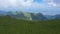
(3,13)
(49,17)
(29,16)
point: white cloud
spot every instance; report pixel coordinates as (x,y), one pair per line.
(53,3)
(15,3)
(38,5)
(7,3)
(20,4)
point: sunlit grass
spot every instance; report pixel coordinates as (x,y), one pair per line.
(10,25)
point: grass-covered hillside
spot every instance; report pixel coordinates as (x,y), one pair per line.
(10,25)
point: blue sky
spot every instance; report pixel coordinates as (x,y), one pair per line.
(50,7)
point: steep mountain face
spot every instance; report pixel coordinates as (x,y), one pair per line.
(27,15)
(20,15)
(38,16)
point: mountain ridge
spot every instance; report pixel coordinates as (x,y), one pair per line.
(28,15)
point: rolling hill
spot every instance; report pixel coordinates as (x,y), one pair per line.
(10,25)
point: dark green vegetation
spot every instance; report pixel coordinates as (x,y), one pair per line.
(10,25)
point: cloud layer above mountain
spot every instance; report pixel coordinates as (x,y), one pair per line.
(29,4)
(54,3)
(15,3)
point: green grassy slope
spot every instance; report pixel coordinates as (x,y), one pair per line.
(9,25)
